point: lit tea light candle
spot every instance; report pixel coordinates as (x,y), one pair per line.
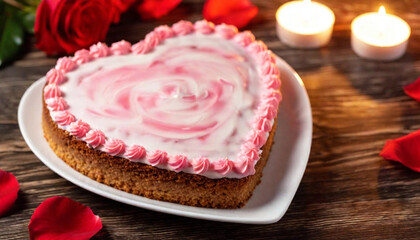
(379,36)
(304,24)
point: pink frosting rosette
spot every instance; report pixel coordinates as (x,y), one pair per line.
(114,147)
(157,157)
(56,104)
(223,166)
(65,64)
(55,76)
(78,128)
(135,152)
(82,56)
(95,138)
(99,50)
(178,162)
(200,165)
(121,48)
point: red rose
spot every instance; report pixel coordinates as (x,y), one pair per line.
(64,26)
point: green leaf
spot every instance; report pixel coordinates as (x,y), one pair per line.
(28,21)
(11,34)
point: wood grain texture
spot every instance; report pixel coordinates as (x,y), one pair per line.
(348,191)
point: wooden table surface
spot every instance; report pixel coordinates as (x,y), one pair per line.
(348,191)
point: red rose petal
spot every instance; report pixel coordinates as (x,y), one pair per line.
(154,9)
(9,188)
(413,90)
(234,12)
(63,218)
(405,150)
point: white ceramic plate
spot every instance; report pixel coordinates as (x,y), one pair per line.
(270,199)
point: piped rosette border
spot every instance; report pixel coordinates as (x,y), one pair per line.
(250,151)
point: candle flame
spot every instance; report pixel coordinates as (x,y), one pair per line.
(382,11)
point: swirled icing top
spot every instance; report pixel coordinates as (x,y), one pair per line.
(196,98)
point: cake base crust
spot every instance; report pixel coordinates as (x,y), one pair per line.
(151,182)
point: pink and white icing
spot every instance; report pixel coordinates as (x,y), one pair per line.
(257,47)
(51,91)
(63,118)
(164,31)
(183,27)
(200,165)
(223,166)
(157,157)
(82,56)
(120,48)
(55,76)
(95,138)
(141,47)
(56,104)
(245,166)
(99,50)
(78,128)
(195,98)
(114,147)
(152,39)
(65,64)
(226,31)
(204,27)
(178,162)
(244,38)
(135,152)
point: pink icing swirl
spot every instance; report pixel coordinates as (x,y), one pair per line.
(157,157)
(95,138)
(266,57)
(226,31)
(244,38)
(135,152)
(164,31)
(55,76)
(99,50)
(121,48)
(268,111)
(249,151)
(272,81)
(65,64)
(114,147)
(141,47)
(263,124)
(223,166)
(183,27)
(56,104)
(178,162)
(200,165)
(244,166)
(204,27)
(270,68)
(82,56)
(258,138)
(51,91)
(78,128)
(152,39)
(63,118)
(257,47)
(272,97)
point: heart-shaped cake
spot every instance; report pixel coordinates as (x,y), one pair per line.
(186,115)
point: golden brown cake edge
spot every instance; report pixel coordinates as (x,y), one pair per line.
(151,182)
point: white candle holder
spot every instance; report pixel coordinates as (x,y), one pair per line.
(304,24)
(379,36)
